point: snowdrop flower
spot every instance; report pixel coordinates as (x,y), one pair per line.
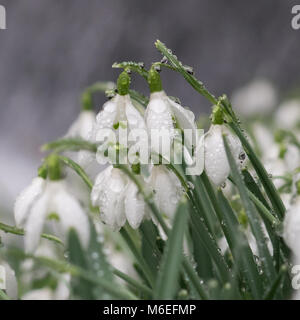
(82,128)
(164,114)
(257,97)
(117,117)
(287,115)
(51,201)
(167,190)
(118,199)
(216,164)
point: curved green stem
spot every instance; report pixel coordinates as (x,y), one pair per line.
(77,168)
(71,144)
(20,232)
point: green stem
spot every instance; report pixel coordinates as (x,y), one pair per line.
(77,168)
(20,232)
(149,200)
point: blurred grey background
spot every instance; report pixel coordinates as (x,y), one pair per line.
(52,49)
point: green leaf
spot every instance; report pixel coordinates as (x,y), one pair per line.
(276,287)
(167,281)
(255,223)
(196,84)
(81,288)
(239,247)
(150,250)
(133,66)
(269,187)
(144,267)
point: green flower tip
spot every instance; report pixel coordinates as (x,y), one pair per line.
(217,116)
(54,168)
(43,171)
(86,101)
(123,83)
(136,168)
(154,81)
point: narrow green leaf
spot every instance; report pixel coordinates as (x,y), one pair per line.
(262,173)
(239,247)
(252,215)
(138,256)
(275,288)
(150,250)
(167,281)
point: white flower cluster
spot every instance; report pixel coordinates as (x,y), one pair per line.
(47,204)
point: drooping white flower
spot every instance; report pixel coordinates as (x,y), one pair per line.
(287,115)
(167,190)
(119,111)
(118,199)
(163,113)
(82,128)
(26,199)
(216,163)
(83,125)
(55,202)
(257,97)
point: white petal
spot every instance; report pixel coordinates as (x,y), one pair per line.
(134,206)
(83,125)
(134,118)
(236,147)
(71,215)
(158,115)
(105,118)
(26,199)
(160,124)
(99,185)
(108,193)
(216,163)
(167,190)
(291,229)
(35,222)
(185,119)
